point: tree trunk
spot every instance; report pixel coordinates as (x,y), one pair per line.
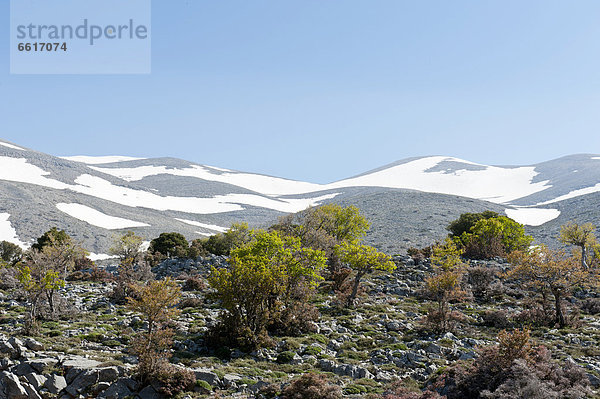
(352,296)
(560,317)
(584,257)
(50,296)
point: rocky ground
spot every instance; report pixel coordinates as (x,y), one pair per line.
(84,354)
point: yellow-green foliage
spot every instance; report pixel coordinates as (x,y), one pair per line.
(581,236)
(444,285)
(363,260)
(262,277)
(496,236)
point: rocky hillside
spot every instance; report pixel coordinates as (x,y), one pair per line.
(85,353)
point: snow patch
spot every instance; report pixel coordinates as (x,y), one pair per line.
(14,147)
(492,183)
(206,226)
(8,232)
(97,218)
(532,216)
(96,257)
(204,234)
(19,170)
(97,160)
(573,194)
(263,184)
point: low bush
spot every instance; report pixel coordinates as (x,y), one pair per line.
(496,318)
(480,279)
(311,386)
(591,305)
(398,390)
(194,283)
(514,369)
(174,380)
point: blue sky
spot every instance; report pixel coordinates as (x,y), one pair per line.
(320,90)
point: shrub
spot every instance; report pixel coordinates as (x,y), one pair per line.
(444,285)
(270,391)
(190,303)
(496,318)
(466,221)
(399,391)
(266,277)
(285,357)
(295,319)
(203,386)
(591,305)
(311,386)
(514,369)
(169,245)
(156,303)
(223,243)
(419,254)
(487,234)
(194,283)
(542,380)
(101,275)
(480,279)
(174,380)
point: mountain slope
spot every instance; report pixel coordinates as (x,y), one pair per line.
(409,202)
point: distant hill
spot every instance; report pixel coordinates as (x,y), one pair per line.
(409,202)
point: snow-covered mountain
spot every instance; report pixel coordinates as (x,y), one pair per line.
(94,197)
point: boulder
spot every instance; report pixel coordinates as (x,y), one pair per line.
(108,374)
(33,344)
(36,380)
(149,393)
(83,382)
(13,387)
(32,393)
(42,364)
(119,389)
(230,380)
(55,383)
(206,375)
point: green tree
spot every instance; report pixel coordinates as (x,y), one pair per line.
(223,243)
(466,221)
(496,236)
(53,236)
(261,280)
(10,253)
(581,236)
(324,228)
(36,280)
(133,265)
(127,246)
(169,245)
(363,260)
(43,272)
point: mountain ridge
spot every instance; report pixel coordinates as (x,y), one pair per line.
(96,197)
